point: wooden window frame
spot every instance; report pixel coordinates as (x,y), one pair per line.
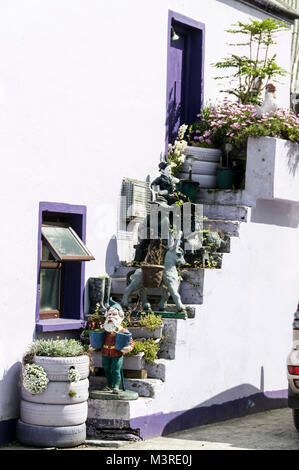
(46,314)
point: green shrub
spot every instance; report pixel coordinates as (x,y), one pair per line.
(151,321)
(149,347)
(55,348)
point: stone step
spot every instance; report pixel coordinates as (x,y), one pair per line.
(225,212)
(114,419)
(228,227)
(144,387)
(220,196)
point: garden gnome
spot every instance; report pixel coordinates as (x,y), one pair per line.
(112,358)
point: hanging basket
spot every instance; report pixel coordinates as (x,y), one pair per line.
(152,275)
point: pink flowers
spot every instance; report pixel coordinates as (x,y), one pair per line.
(234,123)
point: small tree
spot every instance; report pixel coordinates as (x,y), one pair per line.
(253,72)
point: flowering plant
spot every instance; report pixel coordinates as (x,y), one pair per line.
(176,155)
(95,321)
(73,375)
(35,379)
(233,123)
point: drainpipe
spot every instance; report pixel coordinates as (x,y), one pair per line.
(275,8)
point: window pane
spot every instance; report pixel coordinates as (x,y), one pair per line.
(46,254)
(50,289)
(63,241)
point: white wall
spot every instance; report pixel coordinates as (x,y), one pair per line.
(82,105)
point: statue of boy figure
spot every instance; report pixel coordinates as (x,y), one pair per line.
(111,357)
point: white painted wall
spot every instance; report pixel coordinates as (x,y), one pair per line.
(82,105)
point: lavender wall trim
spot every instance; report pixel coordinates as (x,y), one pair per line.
(162,424)
(67,209)
(7,431)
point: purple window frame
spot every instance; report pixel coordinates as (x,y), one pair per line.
(57,324)
(196,25)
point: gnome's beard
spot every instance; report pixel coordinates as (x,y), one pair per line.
(111,325)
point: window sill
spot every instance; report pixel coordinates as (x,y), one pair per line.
(58,324)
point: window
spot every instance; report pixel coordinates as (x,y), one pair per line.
(62,253)
(184,72)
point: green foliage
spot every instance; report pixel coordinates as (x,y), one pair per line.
(150,348)
(56,348)
(252,72)
(151,321)
(72,393)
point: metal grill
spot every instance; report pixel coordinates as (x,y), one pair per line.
(137,197)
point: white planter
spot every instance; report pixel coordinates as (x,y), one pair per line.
(57,368)
(53,415)
(132,363)
(143,332)
(272,170)
(58,393)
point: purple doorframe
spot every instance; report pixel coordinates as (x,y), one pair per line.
(74,210)
(195,59)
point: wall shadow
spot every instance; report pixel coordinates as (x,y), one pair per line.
(112,258)
(10,393)
(210,413)
(275,212)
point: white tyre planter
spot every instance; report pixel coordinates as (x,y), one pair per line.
(143,332)
(201,168)
(204,154)
(45,436)
(57,368)
(58,393)
(205,181)
(41,414)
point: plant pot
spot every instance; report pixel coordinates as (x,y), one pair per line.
(143,332)
(152,275)
(122,340)
(225,178)
(51,436)
(189,188)
(136,362)
(97,339)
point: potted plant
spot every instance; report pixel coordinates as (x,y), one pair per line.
(251,73)
(152,268)
(149,349)
(148,325)
(95,330)
(54,394)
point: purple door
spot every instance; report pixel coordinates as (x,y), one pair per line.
(176,85)
(184,73)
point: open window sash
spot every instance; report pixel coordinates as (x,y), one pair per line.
(64,243)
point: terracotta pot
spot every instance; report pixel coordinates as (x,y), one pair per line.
(152,275)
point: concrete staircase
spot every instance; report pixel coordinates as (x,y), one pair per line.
(126,420)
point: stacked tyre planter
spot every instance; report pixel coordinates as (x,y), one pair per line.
(57,416)
(205,165)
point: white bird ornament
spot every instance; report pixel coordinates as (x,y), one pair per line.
(270,104)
